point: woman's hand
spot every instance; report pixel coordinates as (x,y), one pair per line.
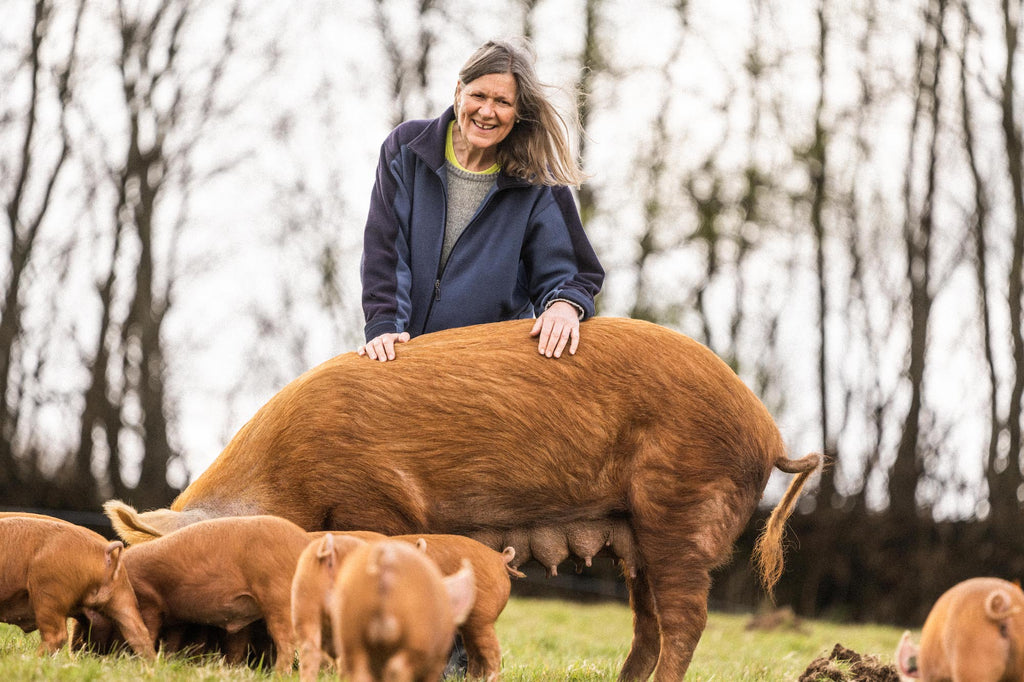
(559,324)
(383,347)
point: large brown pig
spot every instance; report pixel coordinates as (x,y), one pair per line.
(51,570)
(974,633)
(228,572)
(471,431)
(393,614)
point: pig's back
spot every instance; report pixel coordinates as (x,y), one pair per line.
(480,404)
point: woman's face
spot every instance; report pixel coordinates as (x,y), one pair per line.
(486,109)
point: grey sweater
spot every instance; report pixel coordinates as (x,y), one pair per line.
(465,193)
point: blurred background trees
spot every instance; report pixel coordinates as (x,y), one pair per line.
(829,195)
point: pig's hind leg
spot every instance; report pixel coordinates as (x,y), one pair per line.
(52,621)
(483,650)
(680,536)
(279,627)
(643,653)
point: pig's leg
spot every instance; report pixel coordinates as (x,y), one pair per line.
(683,613)
(279,627)
(643,653)
(236,646)
(679,580)
(482,649)
(359,666)
(53,628)
(310,654)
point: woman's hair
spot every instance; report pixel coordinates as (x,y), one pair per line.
(538,149)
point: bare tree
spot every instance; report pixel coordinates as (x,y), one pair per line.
(979,227)
(918,229)
(1005,486)
(28,188)
(126,399)
(409,72)
(816,158)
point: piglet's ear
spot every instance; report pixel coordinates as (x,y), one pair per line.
(906,658)
(461,588)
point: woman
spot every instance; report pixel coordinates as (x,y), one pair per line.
(471,219)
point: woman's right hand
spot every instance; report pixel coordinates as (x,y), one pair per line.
(382,347)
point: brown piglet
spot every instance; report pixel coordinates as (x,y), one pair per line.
(51,570)
(974,633)
(491,572)
(229,572)
(394,614)
(312,593)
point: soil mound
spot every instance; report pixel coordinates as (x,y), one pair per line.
(845,665)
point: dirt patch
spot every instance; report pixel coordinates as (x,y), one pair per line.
(845,665)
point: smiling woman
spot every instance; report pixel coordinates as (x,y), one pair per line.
(485,114)
(471,218)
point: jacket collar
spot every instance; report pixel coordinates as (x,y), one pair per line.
(429,146)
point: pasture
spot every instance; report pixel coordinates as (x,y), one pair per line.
(541,640)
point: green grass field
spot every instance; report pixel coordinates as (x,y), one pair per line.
(541,640)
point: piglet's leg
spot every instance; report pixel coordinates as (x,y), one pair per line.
(359,667)
(279,627)
(53,629)
(310,655)
(483,650)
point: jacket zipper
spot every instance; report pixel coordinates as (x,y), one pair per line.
(440,270)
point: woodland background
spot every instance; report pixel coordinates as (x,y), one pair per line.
(827,193)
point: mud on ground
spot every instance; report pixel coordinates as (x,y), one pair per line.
(845,665)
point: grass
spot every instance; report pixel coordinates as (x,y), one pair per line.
(541,640)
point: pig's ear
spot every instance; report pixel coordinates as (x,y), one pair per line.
(906,658)
(128,523)
(461,588)
(421,545)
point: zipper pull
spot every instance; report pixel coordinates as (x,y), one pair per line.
(437,290)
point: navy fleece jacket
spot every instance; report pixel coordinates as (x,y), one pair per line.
(524,247)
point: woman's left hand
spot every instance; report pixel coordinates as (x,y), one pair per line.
(559,324)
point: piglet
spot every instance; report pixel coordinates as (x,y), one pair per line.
(319,563)
(312,593)
(394,615)
(51,570)
(229,572)
(491,572)
(974,633)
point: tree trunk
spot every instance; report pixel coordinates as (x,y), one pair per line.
(1005,487)
(917,238)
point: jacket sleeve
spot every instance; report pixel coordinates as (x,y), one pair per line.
(385,266)
(559,259)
